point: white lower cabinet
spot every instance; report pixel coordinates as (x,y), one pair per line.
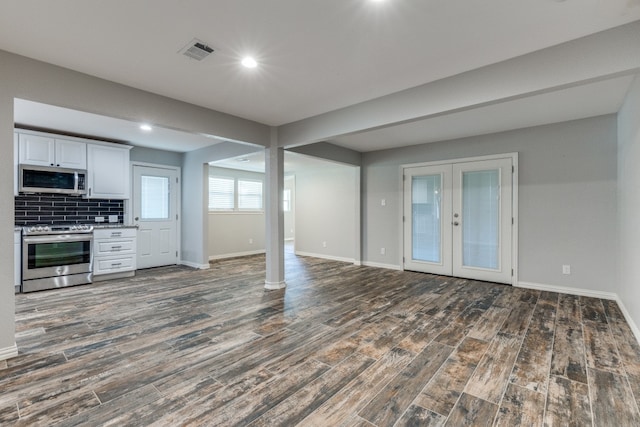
(114,252)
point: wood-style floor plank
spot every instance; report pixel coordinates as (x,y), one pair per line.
(568,403)
(489,380)
(531,369)
(520,406)
(443,391)
(391,402)
(342,345)
(612,400)
(472,411)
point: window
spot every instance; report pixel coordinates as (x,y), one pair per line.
(221,193)
(286,200)
(249,195)
(230,194)
(154,197)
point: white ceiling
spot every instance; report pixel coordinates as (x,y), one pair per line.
(36,115)
(315,56)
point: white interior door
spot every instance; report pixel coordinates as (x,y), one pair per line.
(155,212)
(458,219)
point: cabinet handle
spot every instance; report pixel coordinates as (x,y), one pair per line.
(116,264)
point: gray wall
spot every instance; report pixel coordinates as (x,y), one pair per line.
(326,207)
(629,202)
(160,157)
(567,195)
(229,232)
(41,82)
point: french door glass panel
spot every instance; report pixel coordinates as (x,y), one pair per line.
(481,213)
(426,221)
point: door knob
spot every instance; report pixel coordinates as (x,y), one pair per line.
(456,223)
(136,218)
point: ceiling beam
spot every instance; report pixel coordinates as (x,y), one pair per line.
(600,56)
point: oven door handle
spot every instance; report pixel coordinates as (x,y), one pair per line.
(57,238)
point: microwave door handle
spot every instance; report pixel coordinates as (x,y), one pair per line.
(75,181)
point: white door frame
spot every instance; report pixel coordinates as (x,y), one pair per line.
(514,201)
(128,214)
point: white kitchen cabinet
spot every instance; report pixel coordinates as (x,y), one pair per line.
(114,252)
(108,171)
(47,151)
(17,254)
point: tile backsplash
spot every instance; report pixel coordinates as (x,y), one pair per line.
(32,209)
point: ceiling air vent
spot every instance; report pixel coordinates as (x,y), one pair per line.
(196,49)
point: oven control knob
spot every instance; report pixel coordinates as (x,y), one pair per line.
(39,228)
(32,229)
(73,228)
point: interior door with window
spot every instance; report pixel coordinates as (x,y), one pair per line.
(155,212)
(458,219)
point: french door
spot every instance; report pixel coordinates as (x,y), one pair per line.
(458,219)
(155,209)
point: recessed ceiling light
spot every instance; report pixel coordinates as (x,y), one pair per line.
(249,62)
(243,160)
(146,127)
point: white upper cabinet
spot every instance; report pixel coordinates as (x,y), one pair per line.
(108,171)
(71,154)
(47,151)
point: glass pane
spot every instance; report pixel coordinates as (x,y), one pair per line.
(221,193)
(286,200)
(249,194)
(425,210)
(481,218)
(154,197)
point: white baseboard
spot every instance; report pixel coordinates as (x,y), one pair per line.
(275,285)
(195,265)
(380,265)
(567,290)
(236,254)
(9,352)
(329,257)
(587,293)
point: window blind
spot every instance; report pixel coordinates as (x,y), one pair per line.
(249,194)
(221,193)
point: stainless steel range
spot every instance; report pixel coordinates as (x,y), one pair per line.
(56,256)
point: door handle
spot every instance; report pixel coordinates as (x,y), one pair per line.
(136,218)
(456,223)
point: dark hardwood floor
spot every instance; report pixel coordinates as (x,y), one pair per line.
(343,345)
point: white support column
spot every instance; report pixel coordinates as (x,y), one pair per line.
(274,213)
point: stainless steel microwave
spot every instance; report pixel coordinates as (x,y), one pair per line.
(46,179)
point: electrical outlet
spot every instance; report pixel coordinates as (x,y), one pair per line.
(324,244)
(251,241)
(383,251)
(383,202)
(566,269)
